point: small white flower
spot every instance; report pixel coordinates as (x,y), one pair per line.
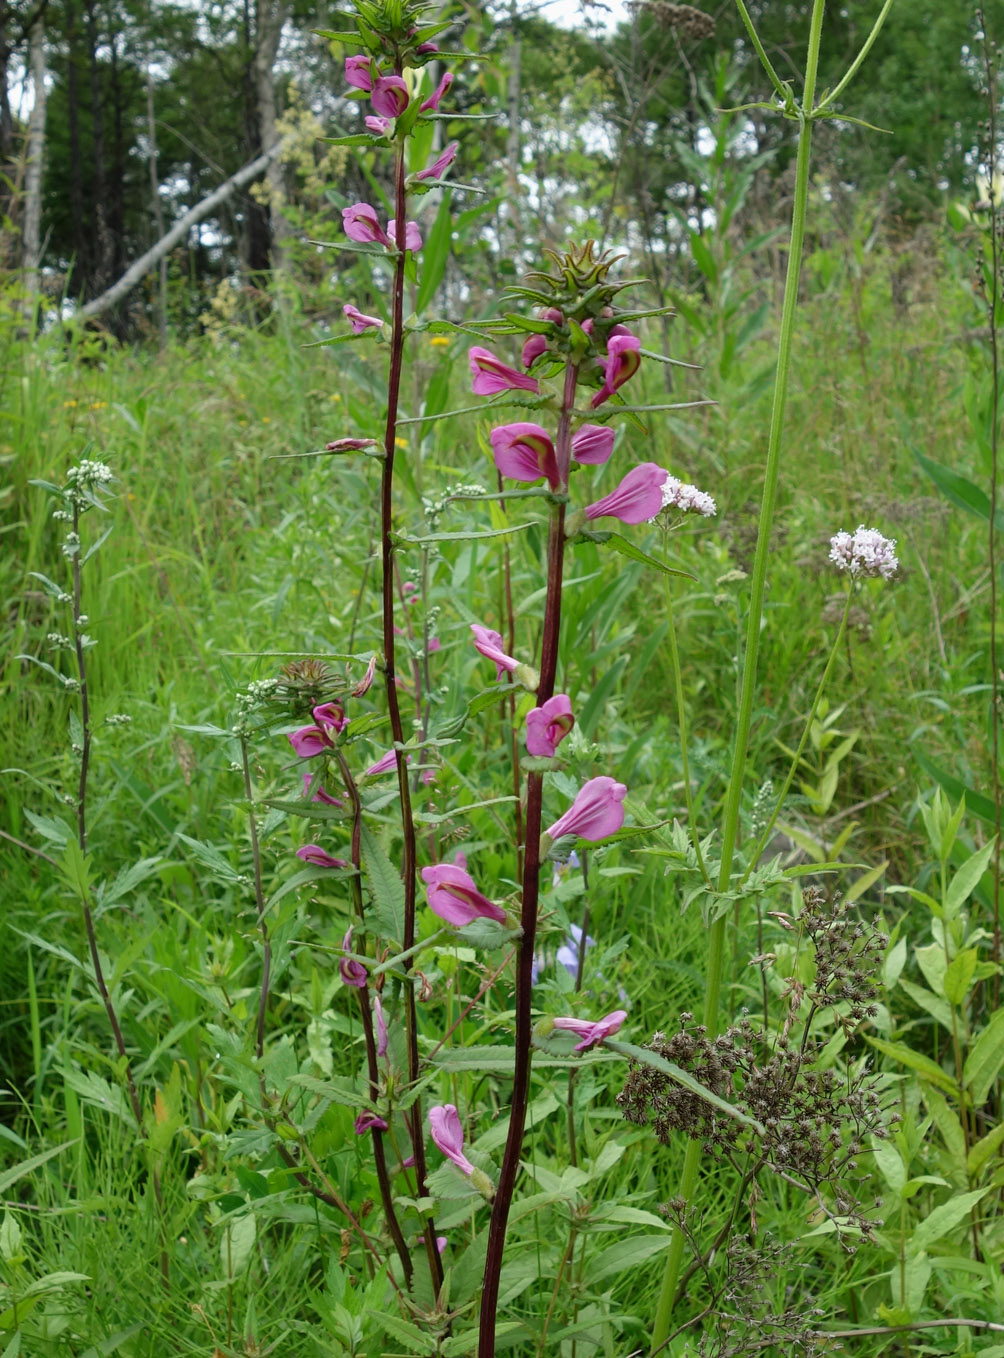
(677,494)
(864,552)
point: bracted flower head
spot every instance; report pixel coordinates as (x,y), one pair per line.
(389,96)
(491,375)
(596,812)
(448,1135)
(440,164)
(316,856)
(864,552)
(452,896)
(637,498)
(623,360)
(331,717)
(352,973)
(593,444)
(359,320)
(524,452)
(591,1033)
(432,103)
(548,725)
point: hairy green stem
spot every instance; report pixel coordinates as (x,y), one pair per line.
(716,946)
(681,712)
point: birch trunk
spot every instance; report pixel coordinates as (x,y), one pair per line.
(31,240)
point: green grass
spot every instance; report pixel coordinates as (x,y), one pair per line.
(221,553)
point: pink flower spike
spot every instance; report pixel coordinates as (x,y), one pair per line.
(389,96)
(592,1033)
(315,855)
(448,1135)
(623,361)
(532,350)
(432,103)
(593,444)
(359,320)
(381,1026)
(548,725)
(596,812)
(364,683)
(523,452)
(352,973)
(359,72)
(412,235)
(369,1122)
(331,717)
(380,126)
(435,170)
(309,741)
(361,224)
(320,795)
(489,644)
(491,375)
(637,498)
(452,896)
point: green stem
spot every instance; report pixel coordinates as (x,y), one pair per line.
(765,837)
(681,710)
(716,946)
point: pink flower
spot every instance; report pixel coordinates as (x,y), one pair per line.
(637,498)
(359,320)
(381,126)
(315,855)
(548,725)
(352,973)
(349,445)
(591,1033)
(367,679)
(361,224)
(359,72)
(435,170)
(381,1026)
(489,644)
(448,1135)
(864,552)
(384,764)
(330,717)
(452,896)
(389,96)
(595,813)
(432,103)
(491,375)
(368,1122)
(309,741)
(593,444)
(428,777)
(623,360)
(309,779)
(524,452)
(412,235)
(532,350)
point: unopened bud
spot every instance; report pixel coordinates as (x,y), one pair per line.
(527,676)
(483,1184)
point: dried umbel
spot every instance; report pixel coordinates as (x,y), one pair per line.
(816,1123)
(685,19)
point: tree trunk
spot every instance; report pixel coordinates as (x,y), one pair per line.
(31,241)
(142,266)
(270,18)
(81,252)
(157,208)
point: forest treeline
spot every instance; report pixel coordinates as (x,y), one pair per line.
(148,107)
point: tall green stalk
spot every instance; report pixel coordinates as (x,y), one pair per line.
(716,948)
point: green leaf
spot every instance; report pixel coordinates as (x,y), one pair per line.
(959,490)
(979,805)
(947,1122)
(626,548)
(212,859)
(984,1148)
(923,1065)
(435,254)
(959,975)
(627,1254)
(11,1176)
(943,1219)
(385,884)
(964,883)
(414,1339)
(407,540)
(237,1244)
(75,866)
(985,1058)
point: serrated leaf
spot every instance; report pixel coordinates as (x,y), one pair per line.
(385,883)
(212,859)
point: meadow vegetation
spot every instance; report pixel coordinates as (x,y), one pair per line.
(247,1217)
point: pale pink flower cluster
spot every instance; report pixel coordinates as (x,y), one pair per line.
(864,552)
(681,495)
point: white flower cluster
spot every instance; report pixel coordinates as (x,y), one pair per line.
(89,475)
(677,494)
(864,552)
